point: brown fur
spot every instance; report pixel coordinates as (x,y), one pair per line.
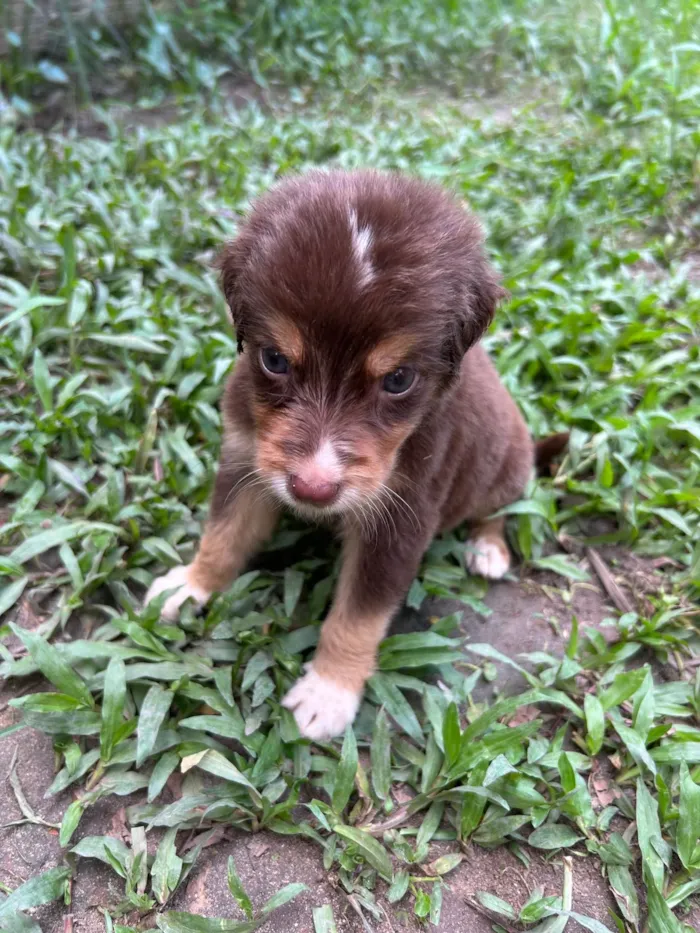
(453,449)
(231,537)
(349,637)
(548,449)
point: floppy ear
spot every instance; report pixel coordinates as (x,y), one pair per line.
(230,263)
(485,295)
(475,310)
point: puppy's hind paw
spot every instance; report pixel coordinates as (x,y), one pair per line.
(176,579)
(487,557)
(321,707)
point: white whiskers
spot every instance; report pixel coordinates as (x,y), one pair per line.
(401,503)
(384,511)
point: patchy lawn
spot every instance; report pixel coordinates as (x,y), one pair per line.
(543,769)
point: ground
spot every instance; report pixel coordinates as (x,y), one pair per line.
(524,611)
(533,613)
(561,706)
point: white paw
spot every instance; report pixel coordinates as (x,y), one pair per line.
(322,708)
(487,558)
(176,579)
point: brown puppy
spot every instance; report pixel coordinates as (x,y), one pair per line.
(360,397)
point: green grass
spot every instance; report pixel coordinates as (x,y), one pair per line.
(595,53)
(113,347)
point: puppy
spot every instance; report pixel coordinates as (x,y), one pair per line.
(360,397)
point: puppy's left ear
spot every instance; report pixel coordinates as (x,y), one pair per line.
(485,294)
(230,263)
(475,311)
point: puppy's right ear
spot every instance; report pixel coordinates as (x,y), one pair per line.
(230,263)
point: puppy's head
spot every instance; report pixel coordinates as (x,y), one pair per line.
(355,297)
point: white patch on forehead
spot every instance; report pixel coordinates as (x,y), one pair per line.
(361,245)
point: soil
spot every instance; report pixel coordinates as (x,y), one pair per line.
(531,614)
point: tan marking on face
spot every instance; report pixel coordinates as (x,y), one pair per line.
(287,338)
(271,430)
(230,539)
(388,355)
(375,458)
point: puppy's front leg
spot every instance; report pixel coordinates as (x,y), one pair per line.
(242,518)
(373,581)
(487,553)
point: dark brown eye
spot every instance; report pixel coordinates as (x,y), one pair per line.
(274,362)
(400,381)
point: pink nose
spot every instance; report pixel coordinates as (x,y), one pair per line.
(313,489)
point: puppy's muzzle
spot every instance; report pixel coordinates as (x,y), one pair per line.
(313,489)
(317,480)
